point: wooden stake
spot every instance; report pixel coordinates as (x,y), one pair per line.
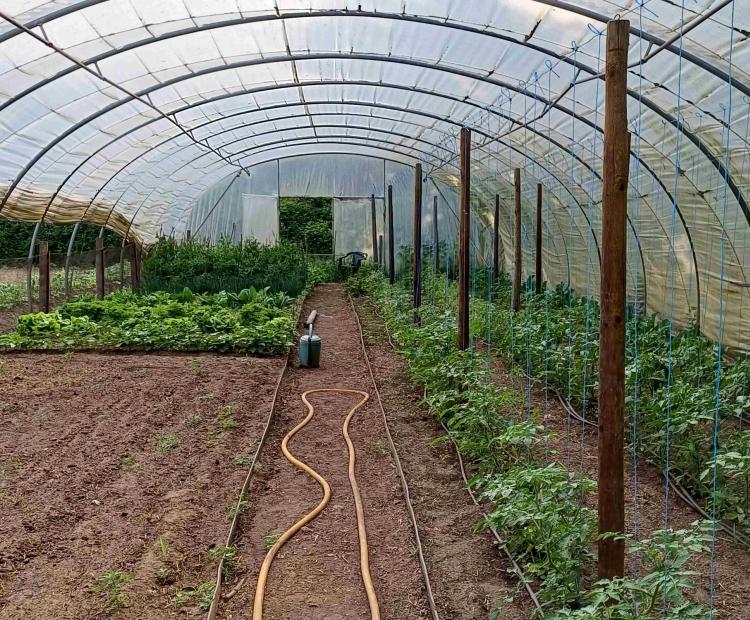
(135,269)
(612,332)
(538,256)
(435,233)
(187,235)
(417,242)
(44,296)
(381,264)
(517,249)
(496,240)
(391,252)
(374,222)
(99,263)
(464,239)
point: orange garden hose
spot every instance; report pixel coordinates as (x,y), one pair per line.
(363,555)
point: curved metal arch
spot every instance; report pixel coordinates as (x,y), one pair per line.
(437,117)
(716,162)
(291,58)
(642,163)
(558,4)
(493,155)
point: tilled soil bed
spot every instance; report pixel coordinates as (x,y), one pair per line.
(121,463)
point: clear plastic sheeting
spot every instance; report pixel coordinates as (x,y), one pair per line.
(352,225)
(260,218)
(168,101)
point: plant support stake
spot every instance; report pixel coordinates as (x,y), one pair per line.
(496,240)
(417,257)
(611,495)
(518,254)
(44,276)
(538,254)
(374,224)
(464,240)
(391,256)
(99,264)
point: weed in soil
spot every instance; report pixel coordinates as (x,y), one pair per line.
(270,539)
(110,584)
(231,559)
(167,442)
(201,595)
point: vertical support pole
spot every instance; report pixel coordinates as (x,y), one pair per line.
(381,264)
(135,273)
(67,259)
(435,234)
(612,334)
(496,240)
(29,267)
(538,256)
(464,232)
(374,221)
(99,264)
(417,239)
(187,235)
(517,249)
(44,276)
(391,253)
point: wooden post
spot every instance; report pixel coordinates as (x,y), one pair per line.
(99,263)
(517,249)
(391,252)
(417,240)
(496,240)
(612,332)
(44,298)
(464,232)
(135,269)
(374,227)
(187,235)
(538,256)
(381,264)
(435,234)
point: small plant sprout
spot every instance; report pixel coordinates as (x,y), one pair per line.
(194,421)
(237,507)
(163,547)
(110,584)
(231,559)
(270,539)
(202,595)
(127,461)
(167,442)
(242,460)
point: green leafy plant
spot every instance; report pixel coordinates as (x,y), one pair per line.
(231,560)
(167,442)
(201,596)
(110,585)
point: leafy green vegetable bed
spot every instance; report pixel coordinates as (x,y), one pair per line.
(249,322)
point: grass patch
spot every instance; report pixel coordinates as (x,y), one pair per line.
(110,585)
(167,442)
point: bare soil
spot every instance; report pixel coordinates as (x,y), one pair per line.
(86,489)
(576,446)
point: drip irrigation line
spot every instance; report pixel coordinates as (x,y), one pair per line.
(213,610)
(737,535)
(500,542)
(399,469)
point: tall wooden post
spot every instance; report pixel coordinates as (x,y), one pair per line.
(435,234)
(517,249)
(391,252)
(99,263)
(464,232)
(44,282)
(381,250)
(612,331)
(188,235)
(538,256)
(374,228)
(417,239)
(496,240)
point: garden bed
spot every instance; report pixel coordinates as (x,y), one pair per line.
(116,475)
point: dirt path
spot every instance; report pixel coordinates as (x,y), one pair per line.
(120,463)
(577,448)
(316,575)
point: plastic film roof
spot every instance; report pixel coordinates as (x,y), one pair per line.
(137,108)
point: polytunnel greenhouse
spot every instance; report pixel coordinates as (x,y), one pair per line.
(384,309)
